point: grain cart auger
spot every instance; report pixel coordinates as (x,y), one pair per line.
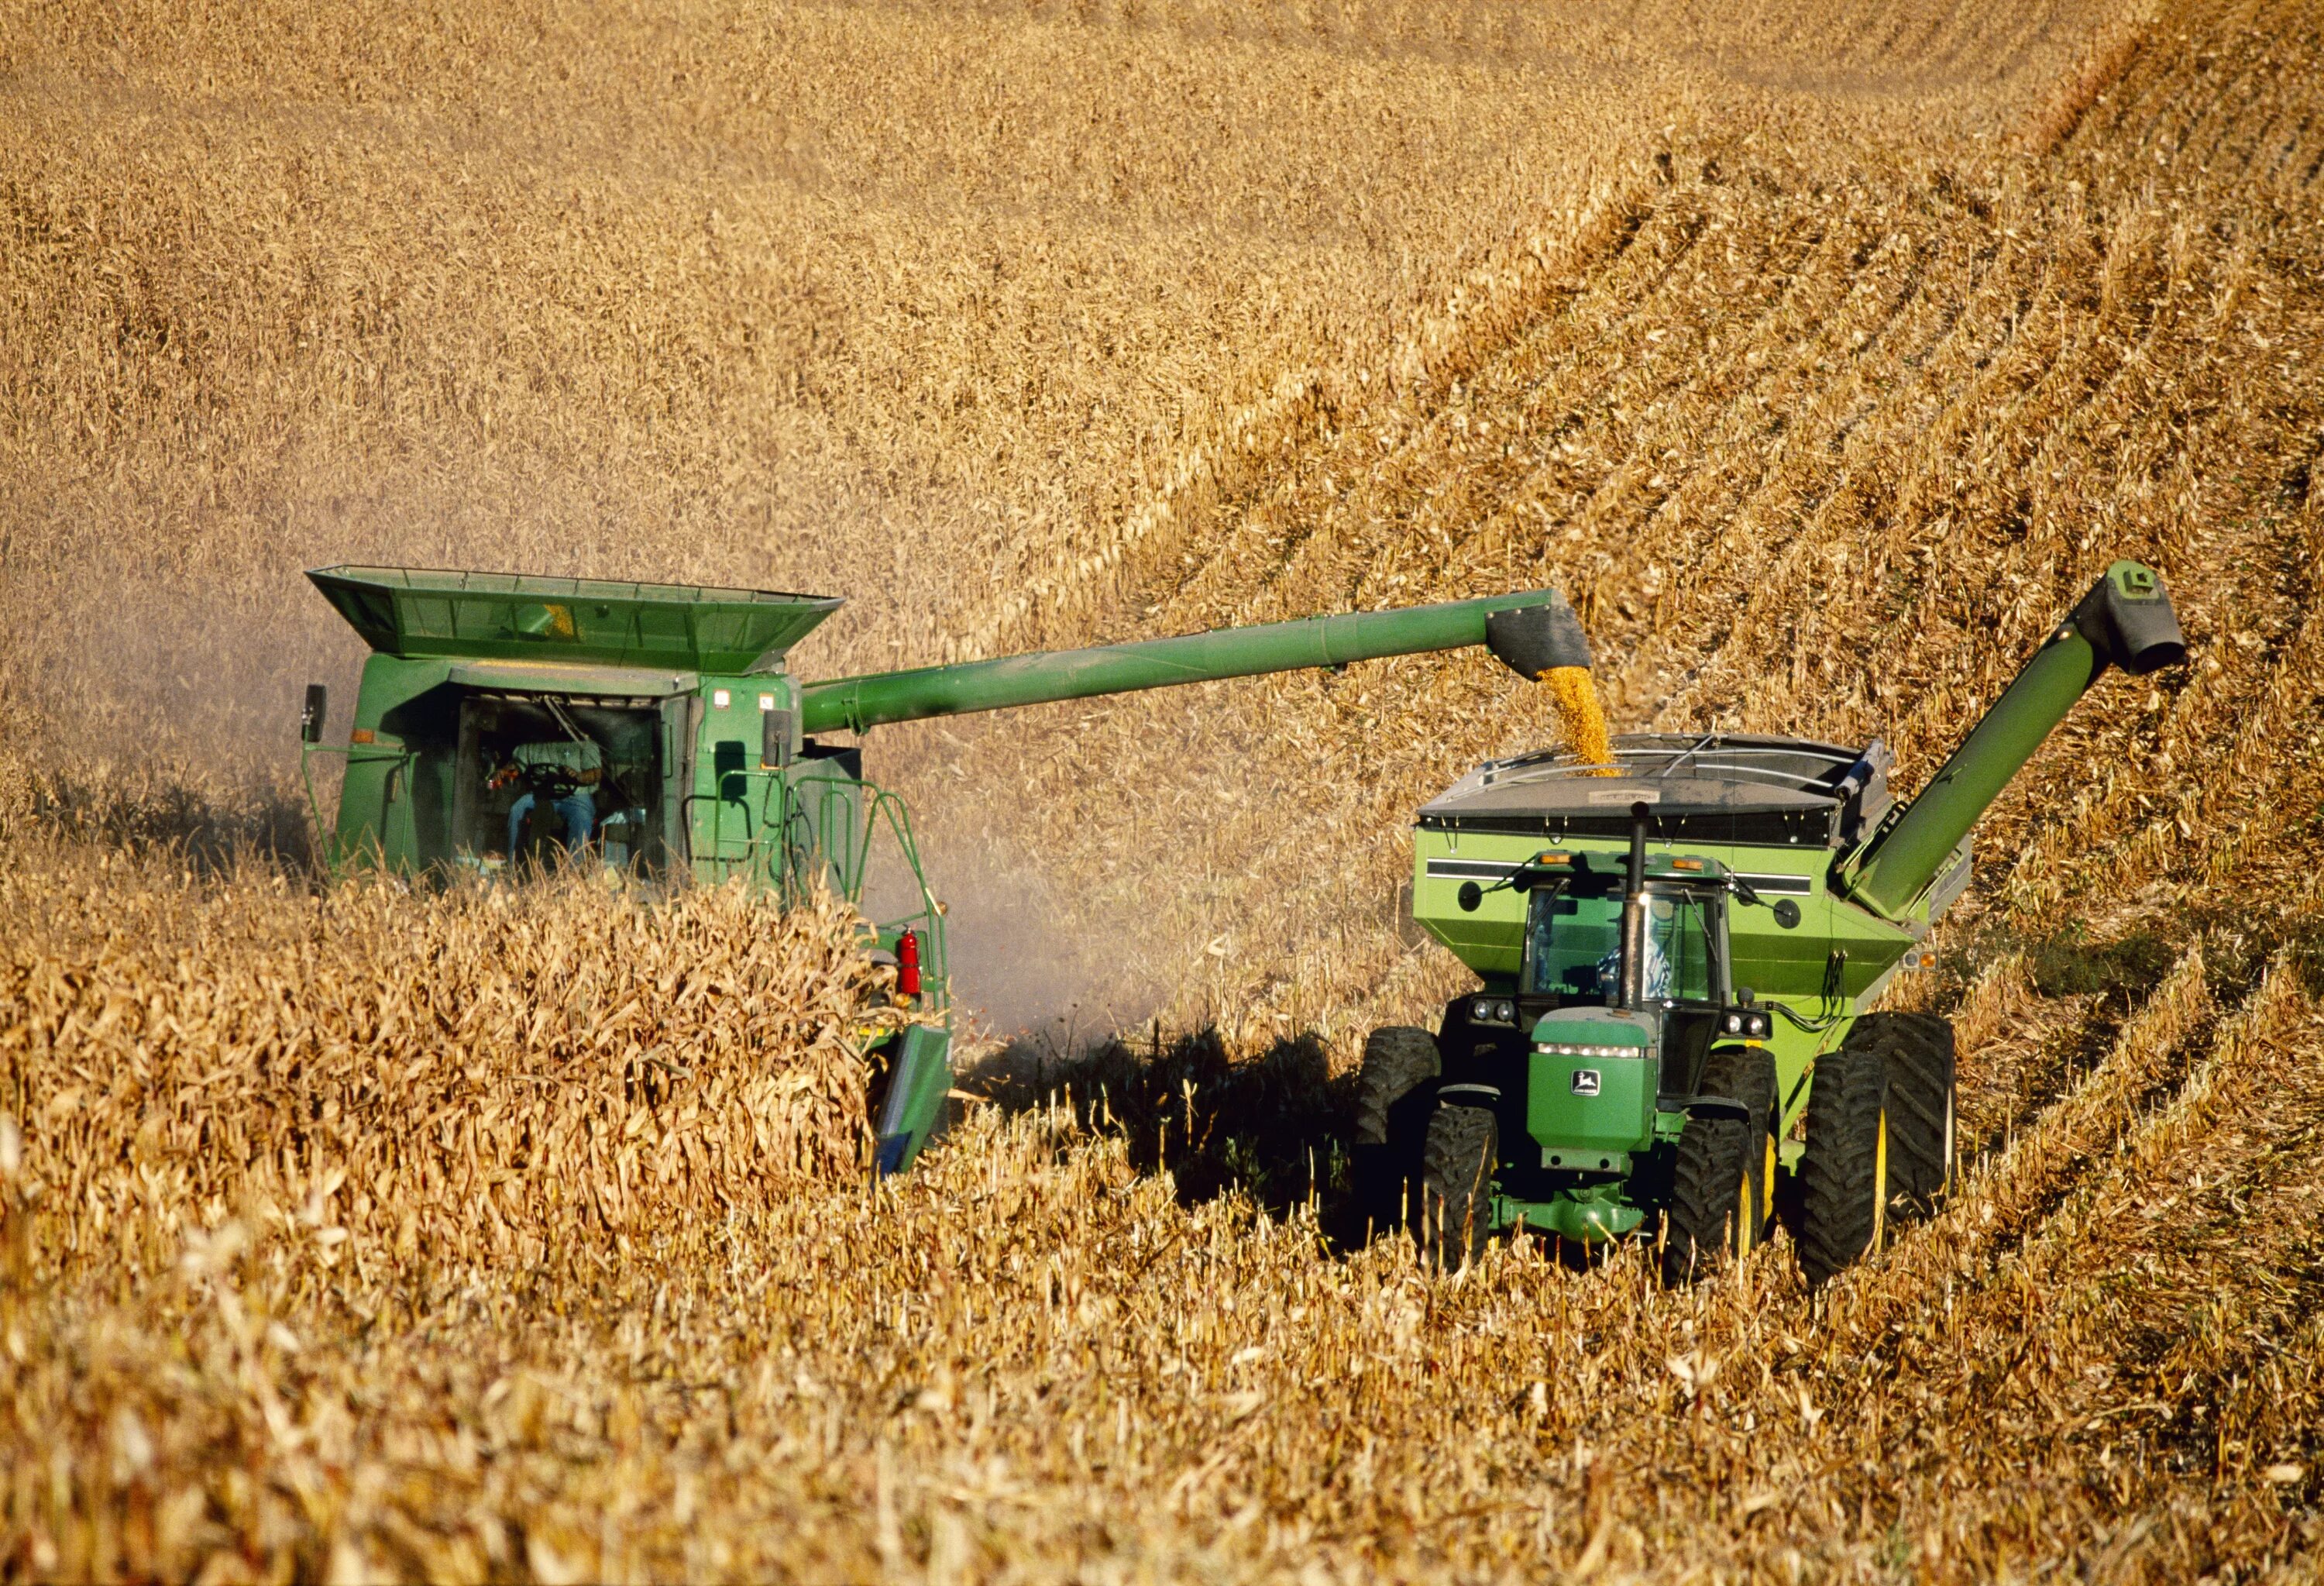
(655,729)
(1676,951)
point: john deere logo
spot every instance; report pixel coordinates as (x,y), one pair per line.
(1585,1081)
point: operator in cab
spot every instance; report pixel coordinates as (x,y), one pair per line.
(563,775)
(1654,963)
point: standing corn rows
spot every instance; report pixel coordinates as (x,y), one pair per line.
(470,1077)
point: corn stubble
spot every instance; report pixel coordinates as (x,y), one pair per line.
(358,1233)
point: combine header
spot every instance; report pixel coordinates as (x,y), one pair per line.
(656,729)
(1675,951)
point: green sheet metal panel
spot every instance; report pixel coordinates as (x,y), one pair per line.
(413,613)
(1581,1109)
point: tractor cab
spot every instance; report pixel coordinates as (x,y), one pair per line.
(1666,975)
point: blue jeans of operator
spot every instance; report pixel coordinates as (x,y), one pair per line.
(580,817)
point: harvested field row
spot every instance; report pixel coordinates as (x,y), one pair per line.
(1819,355)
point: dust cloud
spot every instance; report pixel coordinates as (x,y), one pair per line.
(1025,969)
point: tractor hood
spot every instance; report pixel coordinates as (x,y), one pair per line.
(1592,1081)
(1593,1032)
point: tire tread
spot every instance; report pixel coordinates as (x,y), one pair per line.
(1393,1085)
(1836,1168)
(1715,1157)
(1918,1052)
(1457,1184)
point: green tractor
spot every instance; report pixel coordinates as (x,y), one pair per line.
(1676,953)
(655,730)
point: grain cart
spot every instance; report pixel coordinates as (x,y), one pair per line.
(1675,953)
(656,730)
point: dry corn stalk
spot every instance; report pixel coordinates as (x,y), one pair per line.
(486,1071)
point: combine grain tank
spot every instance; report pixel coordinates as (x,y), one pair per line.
(1676,952)
(656,730)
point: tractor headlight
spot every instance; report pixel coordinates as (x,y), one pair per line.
(1506,1012)
(1493,1011)
(1734,1023)
(1759,1025)
(1565,1049)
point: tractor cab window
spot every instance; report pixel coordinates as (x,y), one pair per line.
(1572,929)
(1573,943)
(1679,939)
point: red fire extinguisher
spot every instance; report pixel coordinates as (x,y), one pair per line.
(908,963)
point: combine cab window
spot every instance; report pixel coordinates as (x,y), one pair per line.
(540,764)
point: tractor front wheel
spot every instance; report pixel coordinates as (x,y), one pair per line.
(1394,1090)
(1456,1185)
(1715,1206)
(1748,1074)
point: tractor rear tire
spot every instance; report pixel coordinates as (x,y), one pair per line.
(1917,1051)
(1715,1205)
(1456,1185)
(1394,1091)
(1844,1184)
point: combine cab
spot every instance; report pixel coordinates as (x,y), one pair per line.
(1676,950)
(505,722)
(656,729)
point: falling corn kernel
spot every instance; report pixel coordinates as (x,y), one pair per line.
(1579,718)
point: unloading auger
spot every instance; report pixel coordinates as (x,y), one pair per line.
(656,729)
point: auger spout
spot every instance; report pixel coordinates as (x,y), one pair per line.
(2125,620)
(1532,631)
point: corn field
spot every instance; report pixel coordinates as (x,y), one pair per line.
(1821,354)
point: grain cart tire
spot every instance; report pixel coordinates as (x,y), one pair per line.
(1395,1091)
(1917,1051)
(1844,1170)
(1714,1206)
(1456,1185)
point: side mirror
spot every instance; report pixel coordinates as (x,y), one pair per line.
(1469,895)
(1745,996)
(310,719)
(1787,913)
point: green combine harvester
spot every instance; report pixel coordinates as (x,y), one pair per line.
(1676,951)
(655,730)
